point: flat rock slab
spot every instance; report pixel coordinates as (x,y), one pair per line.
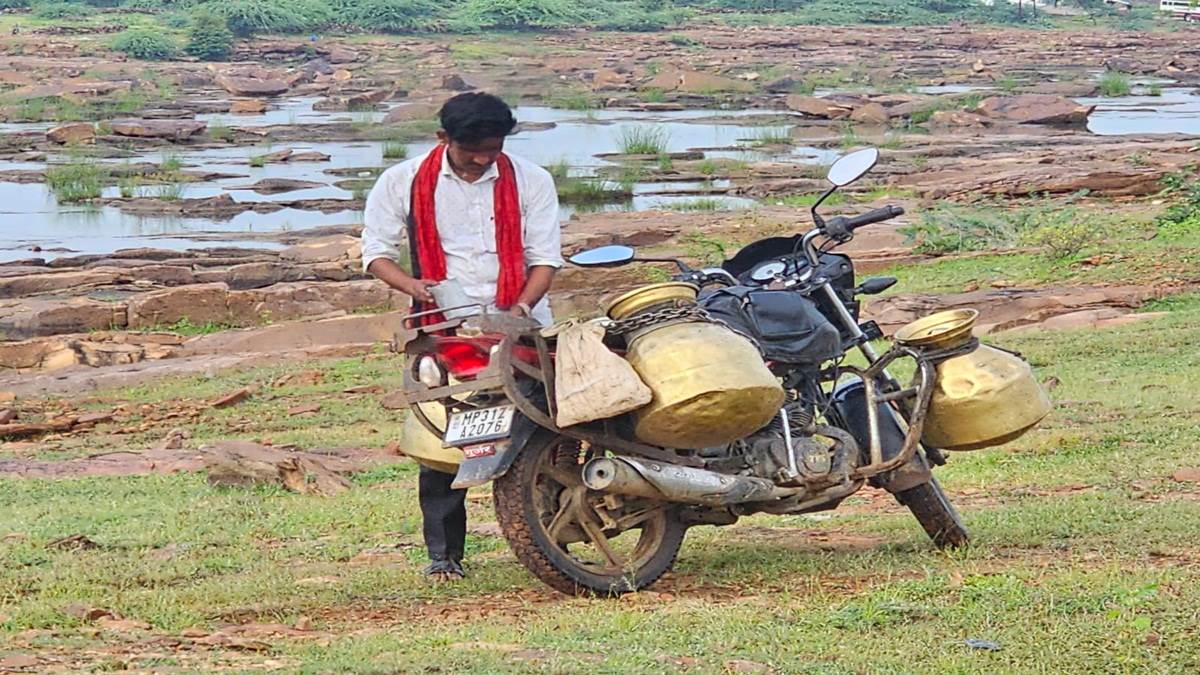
(170,129)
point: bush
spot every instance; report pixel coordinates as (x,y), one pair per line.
(62,10)
(1114,83)
(1065,237)
(247,17)
(393,16)
(209,38)
(146,44)
(14,4)
(523,14)
(175,20)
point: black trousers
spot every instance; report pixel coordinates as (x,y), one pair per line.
(444,511)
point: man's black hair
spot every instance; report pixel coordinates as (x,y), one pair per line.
(475,116)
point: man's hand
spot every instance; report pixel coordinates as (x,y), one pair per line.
(417,288)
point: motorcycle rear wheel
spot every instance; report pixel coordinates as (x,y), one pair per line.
(569,537)
(929,504)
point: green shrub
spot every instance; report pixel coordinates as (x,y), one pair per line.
(147,44)
(62,10)
(642,140)
(175,20)
(247,17)
(393,16)
(1065,237)
(14,4)
(523,14)
(209,38)
(80,180)
(1114,83)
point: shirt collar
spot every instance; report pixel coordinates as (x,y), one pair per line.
(492,172)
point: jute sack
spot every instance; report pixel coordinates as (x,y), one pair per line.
(591,382)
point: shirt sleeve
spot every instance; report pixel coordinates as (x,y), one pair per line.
(384,231)
(543,234)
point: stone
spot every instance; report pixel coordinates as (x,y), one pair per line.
(607,79)
(871,114)
(816,107)
(342,75)
(342,55)
(1036,109)
(335,247)
(956,118)
(1188,475)
(695,82)
(232,398)
(76,132)
(249,106)
(274,186)
(33,318)
(253,87)
(244,464)
(259,274)
(37,284)
(782,85)
(369,98)
(454,82)
(198,303)
(412,112)
(169,129)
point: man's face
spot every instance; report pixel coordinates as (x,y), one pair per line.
(472,159)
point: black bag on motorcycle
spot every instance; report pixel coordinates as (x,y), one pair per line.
(787,325)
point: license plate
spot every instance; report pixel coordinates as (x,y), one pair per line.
(476,426)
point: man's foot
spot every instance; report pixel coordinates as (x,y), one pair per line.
(445,570)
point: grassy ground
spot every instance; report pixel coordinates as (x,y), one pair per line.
(1086,551)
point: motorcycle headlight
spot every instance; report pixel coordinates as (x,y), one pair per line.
(430,373)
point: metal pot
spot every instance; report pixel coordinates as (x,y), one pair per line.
(710,384)
(983,398)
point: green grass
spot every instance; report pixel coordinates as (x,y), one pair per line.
(395,150)
(218,131)
(697,204)
(76,181)
(258,161)
(589,190)
(772,136)
(1114,83)
(643,140)
(1102,577)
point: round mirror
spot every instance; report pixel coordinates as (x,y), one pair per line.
(604,255)
(853,166)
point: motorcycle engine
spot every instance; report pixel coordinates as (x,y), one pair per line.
(765,454)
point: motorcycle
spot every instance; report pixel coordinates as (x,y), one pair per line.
(602,507)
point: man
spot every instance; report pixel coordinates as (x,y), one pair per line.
(476,218)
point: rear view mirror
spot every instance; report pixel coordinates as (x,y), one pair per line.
(603,256)
(853,166)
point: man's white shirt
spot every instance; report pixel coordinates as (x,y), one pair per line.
(466,224)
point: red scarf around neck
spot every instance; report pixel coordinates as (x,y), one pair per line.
(431,259)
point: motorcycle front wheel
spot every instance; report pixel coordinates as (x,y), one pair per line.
(576,540)
(929,504)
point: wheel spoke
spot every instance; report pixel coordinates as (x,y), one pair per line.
(597,536)
(562,518)
(633,519)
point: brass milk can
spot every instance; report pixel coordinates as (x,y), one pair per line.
(984,397)
(710,384)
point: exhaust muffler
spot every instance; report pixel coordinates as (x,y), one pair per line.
(675,483)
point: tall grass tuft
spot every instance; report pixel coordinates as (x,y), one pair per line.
(1114,83)
(76,181)
(643,140)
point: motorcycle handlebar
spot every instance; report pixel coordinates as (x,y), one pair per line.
(841,227)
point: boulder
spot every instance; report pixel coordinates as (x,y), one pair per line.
(33,318)
(455,82)
(342,55)
(783,85)
(871,114)
(695,82)
(1036,109)
(248,106)
(37,284)
(817,107)
(369,98)
(260,274)
(274,186)
(169,129)
(76,132)
(956,118)
(412,112)
(198,303)
(253,87)
(335,247)
(607,79)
